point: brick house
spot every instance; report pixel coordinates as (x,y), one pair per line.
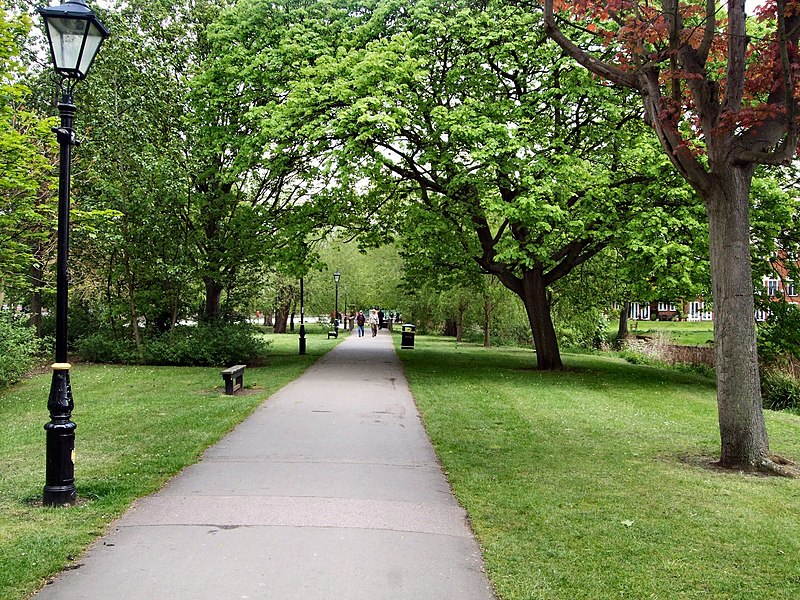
(778,286)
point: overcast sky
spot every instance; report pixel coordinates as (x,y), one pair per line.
(749,5)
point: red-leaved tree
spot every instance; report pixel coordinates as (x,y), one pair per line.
(721,95)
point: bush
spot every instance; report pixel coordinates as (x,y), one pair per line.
(18,345)
(82,323)
(698,368)
(200,345)
(207,345)
(779,391)
(106,347)
(582,329)
(779,335)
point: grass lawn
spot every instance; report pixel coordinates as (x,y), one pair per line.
(137,427)
(683,333)
(592,482)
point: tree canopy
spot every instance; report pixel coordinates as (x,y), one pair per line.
(26,159)
(471,127)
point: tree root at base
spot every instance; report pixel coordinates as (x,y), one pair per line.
(770,465)
(778,465)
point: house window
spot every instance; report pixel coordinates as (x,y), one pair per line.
(772,287)
(789,287)
(666,306)
(639,312)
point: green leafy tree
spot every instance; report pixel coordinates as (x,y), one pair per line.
(252,192)
(774,217)
(721,102)
(370,277)
(492,147)
(136,263)
(26,166)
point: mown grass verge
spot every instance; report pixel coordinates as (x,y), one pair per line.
(136,428)
(683,333)
(594,482)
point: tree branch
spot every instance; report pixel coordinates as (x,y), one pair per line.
(585,59)
(710,28)
(737,50)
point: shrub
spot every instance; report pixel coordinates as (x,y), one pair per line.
(698,368)
(581,329)
(82,323)
(779,335)
(200,345)
(637,358)
(206,345)
(502,335)
(515,334)
(106,347)
(779,391)
(18,345)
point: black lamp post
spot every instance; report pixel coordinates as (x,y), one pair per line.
(336,277)
(302,321)
(75,35)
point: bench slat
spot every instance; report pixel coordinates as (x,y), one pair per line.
(233,369)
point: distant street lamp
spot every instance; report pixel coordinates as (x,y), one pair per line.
(302,321)
(75,35)
(336,277)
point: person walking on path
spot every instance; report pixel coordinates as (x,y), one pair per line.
(373,321)
(326,492)
(360,320)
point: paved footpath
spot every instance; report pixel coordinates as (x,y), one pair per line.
(330,490)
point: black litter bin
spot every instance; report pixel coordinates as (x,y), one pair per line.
(407,337)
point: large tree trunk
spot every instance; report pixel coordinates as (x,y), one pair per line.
(173,319)
(281,317)
(622,331)
(213,296)
(450,328)
(741,420)
(537,306)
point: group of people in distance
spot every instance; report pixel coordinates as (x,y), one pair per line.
(376,319)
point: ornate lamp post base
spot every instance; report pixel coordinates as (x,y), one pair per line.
(59,486)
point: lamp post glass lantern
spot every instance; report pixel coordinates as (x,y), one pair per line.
(75,35)
(336,277)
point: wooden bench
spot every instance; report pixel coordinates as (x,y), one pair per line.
(234,379)
(333,334)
